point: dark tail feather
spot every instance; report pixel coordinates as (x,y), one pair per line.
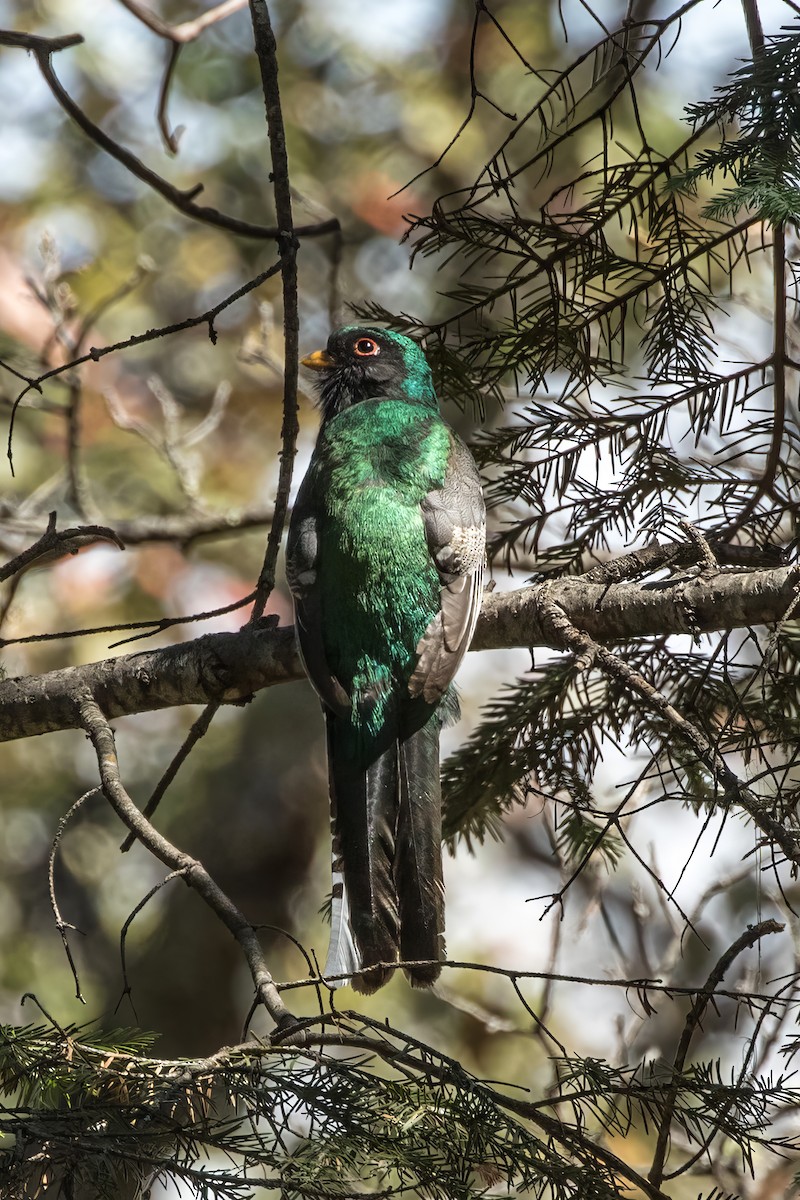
(418,862)
(364,816)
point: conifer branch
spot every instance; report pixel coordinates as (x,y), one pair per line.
(228,668)
(732,789)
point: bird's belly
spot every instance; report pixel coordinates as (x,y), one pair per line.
(379,588)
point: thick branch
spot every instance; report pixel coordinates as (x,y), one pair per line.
(223,667)
(695,604)
(228,668)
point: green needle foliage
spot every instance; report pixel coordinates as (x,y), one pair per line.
(384,1115)
(761,104)
(600,319)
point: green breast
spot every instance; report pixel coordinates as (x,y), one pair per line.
(378,585)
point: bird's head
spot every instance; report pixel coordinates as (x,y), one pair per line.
(361,362)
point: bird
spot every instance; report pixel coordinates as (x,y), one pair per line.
(385,560)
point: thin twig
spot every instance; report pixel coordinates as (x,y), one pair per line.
(177,36)
(95,353)
(741,1082)
(183,528)
(185,31)
(182,199)
(56,543)
(744,942)
(93,720)
(126,987)
(158,625)
(734,789)
(61,925)
(198,730)
(449,1071)
(266,52)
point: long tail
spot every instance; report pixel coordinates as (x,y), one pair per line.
(388,897)
(365,921)
(418,853)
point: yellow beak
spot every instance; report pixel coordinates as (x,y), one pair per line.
(320,360)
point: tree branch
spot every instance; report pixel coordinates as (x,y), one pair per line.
(183,527)
(55,543)
(227,668)
(622,611)
(177,36)
(185,31)
(266,52)
(733,789)
(91,718)
(182,199)
(95,353)
(745,941)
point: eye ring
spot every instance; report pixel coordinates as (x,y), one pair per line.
(366,348)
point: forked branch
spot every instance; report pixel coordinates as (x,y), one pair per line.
(93,720)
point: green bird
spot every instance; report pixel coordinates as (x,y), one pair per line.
(385,562)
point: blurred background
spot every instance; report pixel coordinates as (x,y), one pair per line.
(372,94)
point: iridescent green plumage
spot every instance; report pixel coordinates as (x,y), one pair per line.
(384,560)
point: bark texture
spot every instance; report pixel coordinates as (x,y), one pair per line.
(228,668)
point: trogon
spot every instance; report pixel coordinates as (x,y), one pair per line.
(385,563)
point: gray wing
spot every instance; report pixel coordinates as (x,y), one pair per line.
(455,526)
(302,556)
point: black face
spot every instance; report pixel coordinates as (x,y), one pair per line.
(364,362)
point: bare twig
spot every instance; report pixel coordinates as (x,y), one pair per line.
(95,353)
(198,730)
(158,625)
(266,52)
(177,36)
(183,528)
(185,31)
(475,95)
(123,933)
(61,925)
(182,199)
(744,942)
(56,543)
(8,599)
(93,720)
(78,493)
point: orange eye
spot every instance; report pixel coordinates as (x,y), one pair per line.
(366,348)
